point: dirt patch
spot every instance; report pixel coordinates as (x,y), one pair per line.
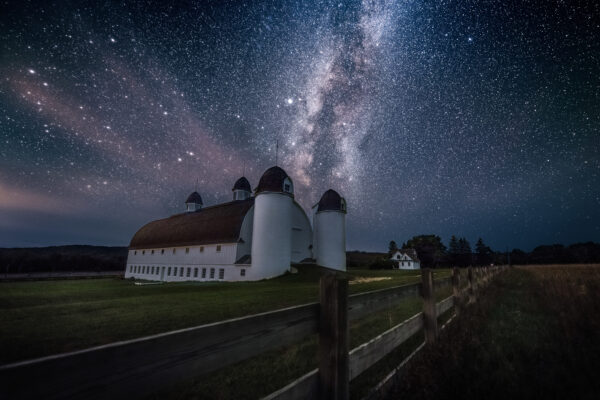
(363,279)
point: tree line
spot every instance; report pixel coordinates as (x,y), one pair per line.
(433,253)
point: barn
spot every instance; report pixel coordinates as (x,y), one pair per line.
(255,236)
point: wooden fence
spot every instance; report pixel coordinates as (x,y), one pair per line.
(140,367)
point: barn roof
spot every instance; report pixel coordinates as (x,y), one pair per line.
(194,197)
(215,224)
(242,184)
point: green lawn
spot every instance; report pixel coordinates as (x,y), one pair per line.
(48,317)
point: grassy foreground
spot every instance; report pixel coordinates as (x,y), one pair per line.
(534,334)
(49,317)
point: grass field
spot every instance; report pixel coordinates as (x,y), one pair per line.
(49,317)
(535,334)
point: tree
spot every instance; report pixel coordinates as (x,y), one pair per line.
(429,248)
(453,251)
(483,253)
(464,253)
(393,247)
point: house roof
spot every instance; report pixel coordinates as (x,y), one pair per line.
(412,253)
(216,224)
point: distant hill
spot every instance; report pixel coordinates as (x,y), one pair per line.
(361,259)
(62,258)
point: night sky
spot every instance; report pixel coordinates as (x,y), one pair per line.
(473,118)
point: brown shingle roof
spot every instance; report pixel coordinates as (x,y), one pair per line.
(215,224)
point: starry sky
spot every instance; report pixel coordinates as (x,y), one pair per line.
(473,118)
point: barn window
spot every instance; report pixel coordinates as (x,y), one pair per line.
(169,272)
(189,271)
(203,273)
(201,249)
(174,251)
(287,187)
(174,271)
(218,247)
(195,272)
(152,252)
(135,253)
(212,273)
(143,251)
(221,273)
(242,272)
(162,251)
(187,250)
(181,271)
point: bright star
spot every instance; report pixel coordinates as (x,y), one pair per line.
(290,101)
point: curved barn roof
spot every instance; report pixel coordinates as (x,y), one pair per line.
(215,224)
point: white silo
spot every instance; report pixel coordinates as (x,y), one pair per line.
(330,231)
(272,227)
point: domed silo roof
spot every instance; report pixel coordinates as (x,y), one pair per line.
(242,184)
(331,201)
(272,180)
(194,198)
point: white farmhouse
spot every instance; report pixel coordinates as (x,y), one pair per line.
(249,238)
(406,259)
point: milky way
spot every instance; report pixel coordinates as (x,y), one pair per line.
(473,118)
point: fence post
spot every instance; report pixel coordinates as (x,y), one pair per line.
(456,289)
(334,362)
(429,310)
(471,283)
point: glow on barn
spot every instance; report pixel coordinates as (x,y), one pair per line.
(249,238)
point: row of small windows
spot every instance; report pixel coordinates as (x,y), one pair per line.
(174,271)
(187,250)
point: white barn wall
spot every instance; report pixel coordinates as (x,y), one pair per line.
(246,235)
(330,249)
(301,235)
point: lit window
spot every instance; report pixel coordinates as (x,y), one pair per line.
(212,273)
(203,273)
(218,247)
(195,272)
(221,273)
(242,272)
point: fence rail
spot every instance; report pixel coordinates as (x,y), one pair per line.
(139,367)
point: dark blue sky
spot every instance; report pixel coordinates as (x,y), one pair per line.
(472,118)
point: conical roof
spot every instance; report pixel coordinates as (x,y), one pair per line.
(242,184)
(331,201)
(194,198)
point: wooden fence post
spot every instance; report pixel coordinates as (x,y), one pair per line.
(456,289)
(429,310)
(334,362)
(471,283)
